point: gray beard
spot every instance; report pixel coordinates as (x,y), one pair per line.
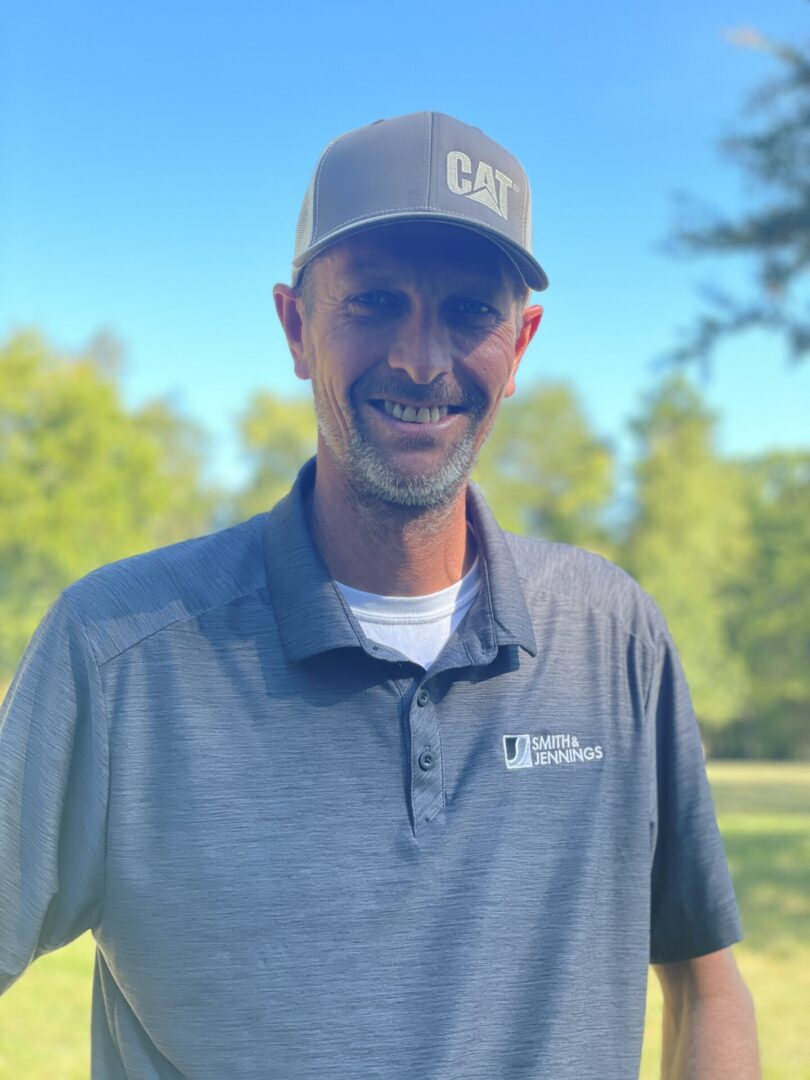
(372,477)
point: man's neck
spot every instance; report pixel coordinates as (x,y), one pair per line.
(390,550)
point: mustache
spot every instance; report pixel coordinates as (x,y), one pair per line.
(439,392)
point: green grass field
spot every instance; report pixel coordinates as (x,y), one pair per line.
(764,813)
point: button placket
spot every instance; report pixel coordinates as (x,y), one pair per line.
(426,774)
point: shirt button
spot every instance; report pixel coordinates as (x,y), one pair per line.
(426,760)
(422,698)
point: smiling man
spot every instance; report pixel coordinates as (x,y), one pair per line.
(411,333)
(366,787)
(441,304)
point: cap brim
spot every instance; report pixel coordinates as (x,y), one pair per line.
(529,269)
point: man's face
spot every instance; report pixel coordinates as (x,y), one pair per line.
(411,343)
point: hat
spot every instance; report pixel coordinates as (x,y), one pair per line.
(422,167)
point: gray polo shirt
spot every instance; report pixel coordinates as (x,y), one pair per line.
(302,856)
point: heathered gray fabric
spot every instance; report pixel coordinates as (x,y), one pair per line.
(203,761)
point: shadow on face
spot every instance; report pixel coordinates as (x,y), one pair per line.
(420,248)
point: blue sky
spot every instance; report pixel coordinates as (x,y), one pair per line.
(155,156)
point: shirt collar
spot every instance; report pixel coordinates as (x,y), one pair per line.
(499,615)
(311,615)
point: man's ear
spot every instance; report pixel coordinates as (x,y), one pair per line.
(531,320)
(288,309)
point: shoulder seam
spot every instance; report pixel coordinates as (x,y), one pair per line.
(649,642)
(187,617)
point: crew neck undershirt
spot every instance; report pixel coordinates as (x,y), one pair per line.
(416,626)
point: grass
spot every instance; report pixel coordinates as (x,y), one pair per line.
(764,815)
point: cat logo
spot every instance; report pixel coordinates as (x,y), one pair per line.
(483,189)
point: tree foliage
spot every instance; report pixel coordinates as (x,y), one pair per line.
(770,629)
(689,542)
(545,472)
(277,436)
(775,230)
(83,480)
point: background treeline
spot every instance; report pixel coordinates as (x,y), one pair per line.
(723,544)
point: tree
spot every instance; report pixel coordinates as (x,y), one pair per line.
(83,480)
(277,436)
(775,231)
(545,472)
(771,622)
(689,542)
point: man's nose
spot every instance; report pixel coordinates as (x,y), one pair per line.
(421,348)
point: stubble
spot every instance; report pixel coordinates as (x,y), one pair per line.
(374,478)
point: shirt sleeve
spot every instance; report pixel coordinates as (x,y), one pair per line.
(53,795)
(693,907)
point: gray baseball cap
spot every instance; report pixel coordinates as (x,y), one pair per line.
(424,166)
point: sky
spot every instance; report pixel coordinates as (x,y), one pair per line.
(155,157)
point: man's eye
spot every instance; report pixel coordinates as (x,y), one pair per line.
(475,308)
(373,299)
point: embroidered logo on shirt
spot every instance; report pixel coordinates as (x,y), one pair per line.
(526,751)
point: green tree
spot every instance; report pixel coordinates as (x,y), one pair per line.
(83,480)
(545,472)
(771,623)
(689,543)
(277,436)
(775,230)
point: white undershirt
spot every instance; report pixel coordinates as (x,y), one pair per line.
(416,626)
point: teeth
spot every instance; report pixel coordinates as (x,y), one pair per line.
(422,415)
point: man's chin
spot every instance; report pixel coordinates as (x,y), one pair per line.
(379,480)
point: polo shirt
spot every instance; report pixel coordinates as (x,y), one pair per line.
(302,856)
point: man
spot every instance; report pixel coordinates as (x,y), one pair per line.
(365,787)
